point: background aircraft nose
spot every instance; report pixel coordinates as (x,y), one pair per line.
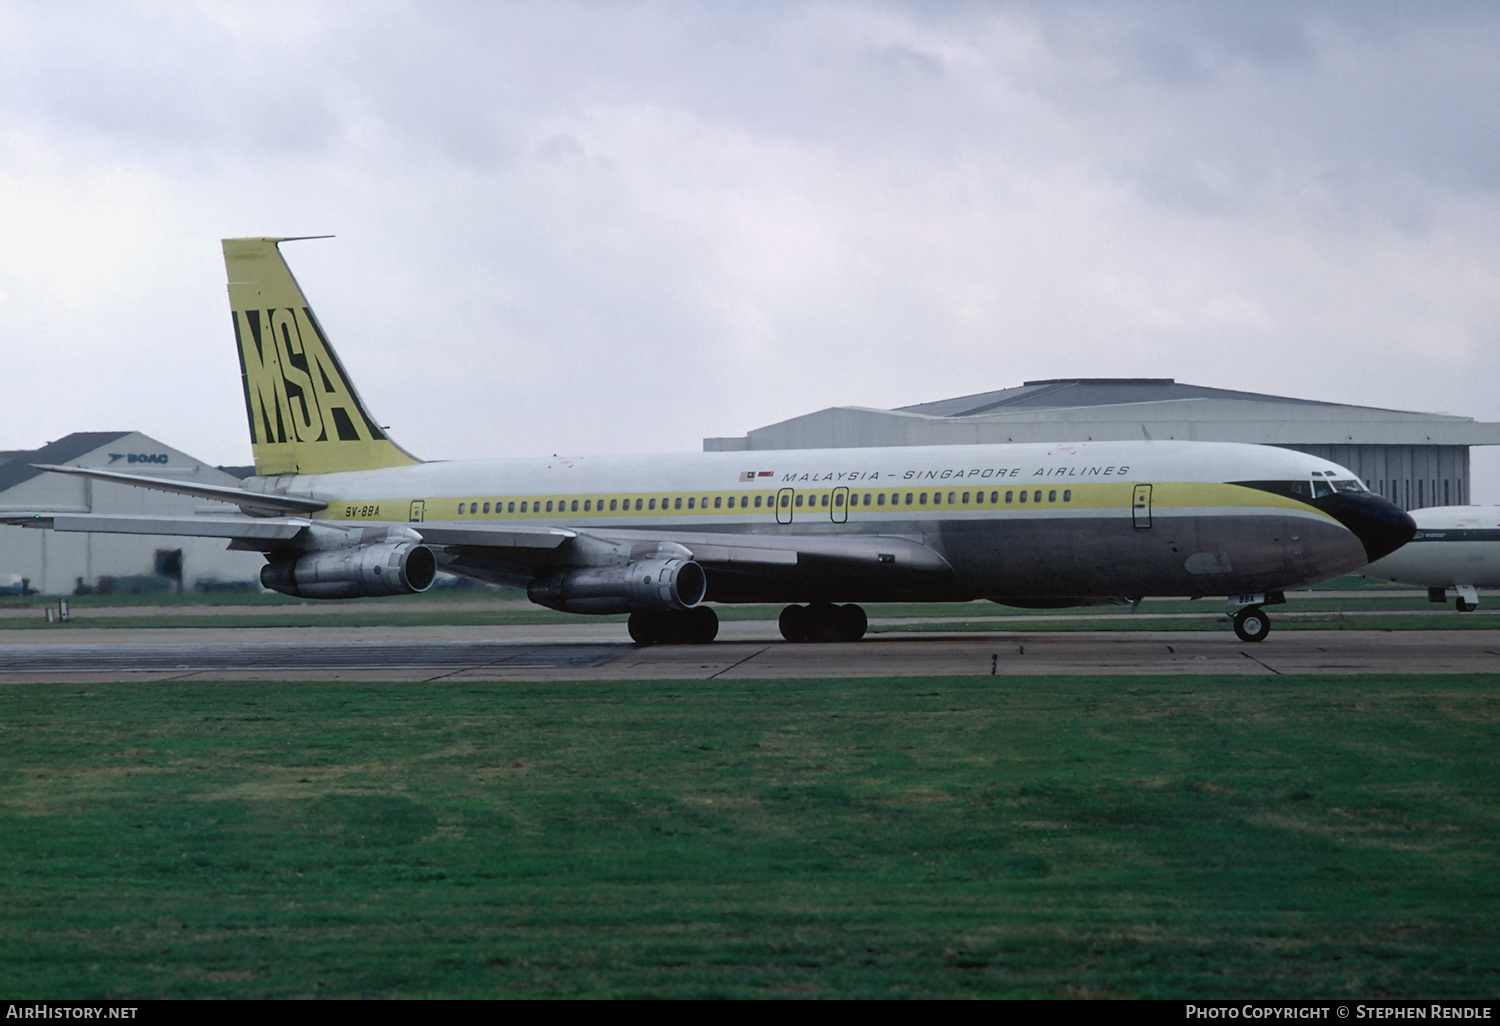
(1381,525)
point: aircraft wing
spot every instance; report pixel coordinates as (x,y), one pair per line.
(515,554)
(713,549)
(505,553)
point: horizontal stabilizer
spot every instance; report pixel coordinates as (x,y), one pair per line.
(254,503)
(259,529)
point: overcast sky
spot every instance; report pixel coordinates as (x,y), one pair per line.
(622,227)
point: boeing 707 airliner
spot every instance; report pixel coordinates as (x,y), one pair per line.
(340,510)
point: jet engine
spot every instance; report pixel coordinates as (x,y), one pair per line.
(392,568)
(655,584)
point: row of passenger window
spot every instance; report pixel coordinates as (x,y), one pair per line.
(615,505)
(823,500)
(920,498)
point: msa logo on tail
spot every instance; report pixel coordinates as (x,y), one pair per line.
(293,389)
(305,416)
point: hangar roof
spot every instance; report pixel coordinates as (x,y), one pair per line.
(1080,409)
(1074,392)
(16,464)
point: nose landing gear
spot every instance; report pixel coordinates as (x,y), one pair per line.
(1252,624)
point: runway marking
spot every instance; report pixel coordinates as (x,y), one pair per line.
(1261,663)
(742,662)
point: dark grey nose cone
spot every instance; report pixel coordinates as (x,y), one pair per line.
(1380,525)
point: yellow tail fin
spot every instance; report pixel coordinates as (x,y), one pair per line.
(305,417)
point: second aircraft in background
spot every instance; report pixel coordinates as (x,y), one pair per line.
(1456,548)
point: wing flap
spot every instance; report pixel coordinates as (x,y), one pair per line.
(872,551)
(508,538)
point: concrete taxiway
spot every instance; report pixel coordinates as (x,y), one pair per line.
(746,650)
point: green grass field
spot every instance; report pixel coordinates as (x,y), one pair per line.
(978,836)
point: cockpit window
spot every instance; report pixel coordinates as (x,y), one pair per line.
(1307,490)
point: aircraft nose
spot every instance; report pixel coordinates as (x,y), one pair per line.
(1380,525)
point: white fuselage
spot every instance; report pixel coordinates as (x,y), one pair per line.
(1455,546)
(1037,521)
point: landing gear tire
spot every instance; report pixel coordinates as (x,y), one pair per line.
(855,622)
(696,626)
(1252,624)
(701,625)
(793,624)
(644,628)
(823,621)
(1465,606)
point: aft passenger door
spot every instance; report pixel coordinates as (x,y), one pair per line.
(839,511)
(1140,507)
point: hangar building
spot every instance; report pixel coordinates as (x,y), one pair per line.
(1414,459)
(56,562)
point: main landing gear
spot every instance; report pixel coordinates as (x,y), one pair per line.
(823,621)
(696,626)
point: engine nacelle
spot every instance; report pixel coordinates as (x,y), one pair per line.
(654,584)
(393,568)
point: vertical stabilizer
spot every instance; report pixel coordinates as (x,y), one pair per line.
(305,416)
